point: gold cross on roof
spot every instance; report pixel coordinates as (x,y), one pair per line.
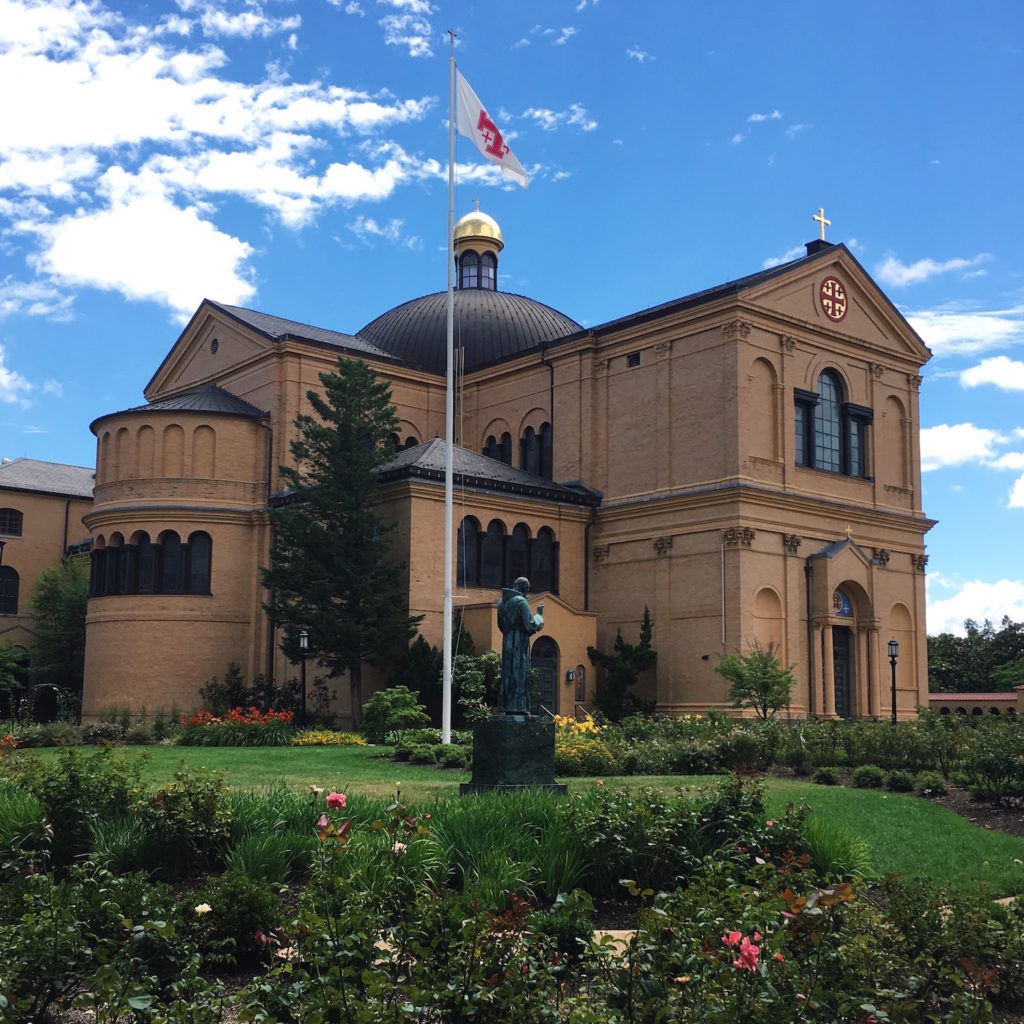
(476,204)
(820,218)
(849,533)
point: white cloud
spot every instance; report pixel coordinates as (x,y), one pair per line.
(366,228)
(639,55)
(1008,460)
(1017,494)
(891,271)
(410,28)
(956,444)
(520,43)
(786,257)
(737,139)
(575,117)
(951,331)
(146,247)
(1001,371)
(795,130)
(14,388)
(775,115)
(53,387)
(567,33)
(253,22)
(978,600)
(33,298)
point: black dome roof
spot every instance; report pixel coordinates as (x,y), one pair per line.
(490,325)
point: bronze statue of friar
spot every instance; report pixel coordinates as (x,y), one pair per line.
(517,624)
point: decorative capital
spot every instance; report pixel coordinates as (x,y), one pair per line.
(736,328)
(600,365)
(663,348)
(737,536)
(914,381)
(788,342)
(881,556)
(919,562)
(601,552)
(662,545)
(791,542)
(877,369)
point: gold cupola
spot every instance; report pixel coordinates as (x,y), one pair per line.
(477,242)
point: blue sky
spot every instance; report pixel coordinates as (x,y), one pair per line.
(290,156)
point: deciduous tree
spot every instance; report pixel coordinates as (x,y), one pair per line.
(758,680)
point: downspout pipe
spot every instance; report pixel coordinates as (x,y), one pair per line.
(271,628)
(808,574)
(551,393)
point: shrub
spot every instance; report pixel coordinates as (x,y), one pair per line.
(930,784)
(241,910)
(327,738)
(102,732)
(424,753)
(578,755)
(569,921)
(994,761)
(389,713)
(868,776)
(899,781)
(826,776)
(455,757)
(834,852)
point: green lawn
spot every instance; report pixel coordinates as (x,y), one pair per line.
(906,834)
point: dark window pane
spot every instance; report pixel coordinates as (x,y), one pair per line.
(10,522)
(128,557)
(827,436)
(113,571)
(530,452)
(172,564)
(542,564)
(199,552)
(146,558)
(469,270)
(491,447)
(546,451)
(519,553)
(488,272)
(8,590)
(492,555)
(505,455)
(467,554)
(801,435)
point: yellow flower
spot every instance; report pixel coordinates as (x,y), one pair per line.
(203,908)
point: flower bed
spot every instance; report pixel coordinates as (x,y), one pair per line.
(239,727)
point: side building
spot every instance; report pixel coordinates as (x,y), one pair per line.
(743,461)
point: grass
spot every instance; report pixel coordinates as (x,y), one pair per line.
(904,834)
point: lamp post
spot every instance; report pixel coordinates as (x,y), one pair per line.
(894,653)
(304,648)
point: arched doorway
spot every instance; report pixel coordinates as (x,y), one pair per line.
(842,644)
(544,661)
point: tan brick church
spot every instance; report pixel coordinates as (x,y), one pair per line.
(744,461)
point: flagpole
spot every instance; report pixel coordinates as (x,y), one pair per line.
(449,415)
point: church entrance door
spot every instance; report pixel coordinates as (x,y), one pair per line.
(841,667)
(544,659)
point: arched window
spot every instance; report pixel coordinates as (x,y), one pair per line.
(831,434)
(200,548)
(96,570)
(128,583)
(492,555)
(519,552)
(529,452)
(10,522)
(410,442)
(489,272)
(491,447)
(112,571)
(8,590)
(146,558)
(546,452)
(394,442)
(469,270)
(172,564)
(467,555)
(505,452)
(544,562)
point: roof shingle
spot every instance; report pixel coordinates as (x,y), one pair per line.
(47,477)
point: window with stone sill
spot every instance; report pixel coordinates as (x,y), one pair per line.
(831,434)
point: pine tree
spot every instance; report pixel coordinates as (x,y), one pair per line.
(330,572)
(621,669)
(59,606)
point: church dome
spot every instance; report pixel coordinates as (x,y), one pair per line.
(489,325)
(478,225)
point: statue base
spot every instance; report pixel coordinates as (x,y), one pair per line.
(513,752)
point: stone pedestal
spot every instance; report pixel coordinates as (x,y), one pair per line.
(511,752)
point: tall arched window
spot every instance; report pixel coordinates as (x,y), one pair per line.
(505,449)
(8,590)
(492,555)
(544,562)
(489,272)
(467,555)
(10,522)
(519,552)
(112,570)
(172,564)
(200,549)
(546,452)
(146,559)
(469,270)
(529,451)
(827,432)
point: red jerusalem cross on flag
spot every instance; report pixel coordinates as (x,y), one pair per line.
(475,123)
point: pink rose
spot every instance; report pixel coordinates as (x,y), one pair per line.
(731,938)
(780,958)
(322,822)
(336,800)
(769,824)
(747,960)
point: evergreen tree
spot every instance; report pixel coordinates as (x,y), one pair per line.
(330,572)
(59,605)
(621,669)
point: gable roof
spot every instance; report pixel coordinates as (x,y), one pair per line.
(470,469)
(47,478)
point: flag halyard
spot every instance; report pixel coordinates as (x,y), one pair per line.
(473,121)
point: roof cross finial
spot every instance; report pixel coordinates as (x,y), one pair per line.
(820,218)
(476,204)
(849,532)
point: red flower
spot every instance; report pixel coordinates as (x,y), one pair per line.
(336,801)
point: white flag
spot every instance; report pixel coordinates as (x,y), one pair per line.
(475,123)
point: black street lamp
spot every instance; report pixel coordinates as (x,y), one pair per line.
(894,653)
(303,648)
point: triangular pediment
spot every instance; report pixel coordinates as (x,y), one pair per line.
(830,295)
(213,344)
